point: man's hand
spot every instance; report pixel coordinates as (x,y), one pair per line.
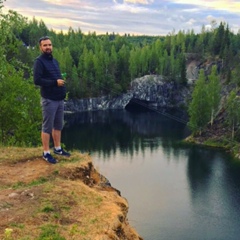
(60,82)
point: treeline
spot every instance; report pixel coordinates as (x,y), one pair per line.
(105,64)
(97,65)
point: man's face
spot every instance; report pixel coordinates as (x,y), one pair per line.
(46,46)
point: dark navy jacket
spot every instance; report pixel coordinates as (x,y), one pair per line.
(45,73)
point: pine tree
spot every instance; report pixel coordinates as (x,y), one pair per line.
(123,65)
(113,62)
(73,84)
(134,63)
(173,71)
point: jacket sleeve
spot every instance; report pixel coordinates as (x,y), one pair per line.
(38,76)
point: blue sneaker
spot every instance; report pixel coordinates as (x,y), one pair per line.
(62,152)
(49,158)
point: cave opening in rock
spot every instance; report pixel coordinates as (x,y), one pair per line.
(136,105)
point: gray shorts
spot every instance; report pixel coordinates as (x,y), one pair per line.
(53,114)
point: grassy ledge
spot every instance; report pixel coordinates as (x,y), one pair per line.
(68,200)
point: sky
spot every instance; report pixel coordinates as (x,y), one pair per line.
(135,17)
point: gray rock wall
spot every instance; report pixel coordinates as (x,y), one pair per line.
(152,89)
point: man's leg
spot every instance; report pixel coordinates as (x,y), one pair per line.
(57,130)
(46,151)
(45,141)
(48,113)
(58,124)
(56,135)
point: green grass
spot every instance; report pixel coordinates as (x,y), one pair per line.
(17,225)
(36,182)
(47,209)
(50,232)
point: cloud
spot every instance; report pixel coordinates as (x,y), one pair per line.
(139,1)
(227,5)
(147,17)
(130,8)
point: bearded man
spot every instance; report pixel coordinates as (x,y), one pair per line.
(48,76)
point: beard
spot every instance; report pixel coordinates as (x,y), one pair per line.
(47,52)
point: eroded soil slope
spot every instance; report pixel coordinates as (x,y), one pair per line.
(68,200)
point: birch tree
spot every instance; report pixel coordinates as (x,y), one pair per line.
(214,89)
(199,106)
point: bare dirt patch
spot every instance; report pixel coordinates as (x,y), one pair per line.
(24,172)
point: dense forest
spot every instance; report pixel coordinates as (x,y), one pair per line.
(97,65)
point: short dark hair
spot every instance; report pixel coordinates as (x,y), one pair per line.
(43,38)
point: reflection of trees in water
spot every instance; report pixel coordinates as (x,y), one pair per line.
(214,183)
(107,131)
(199,167)
(172,147)
(205,171)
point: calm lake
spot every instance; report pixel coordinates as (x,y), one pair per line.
(175,191)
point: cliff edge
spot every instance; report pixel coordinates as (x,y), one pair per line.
(68,200)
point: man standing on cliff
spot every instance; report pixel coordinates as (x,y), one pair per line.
(47,75)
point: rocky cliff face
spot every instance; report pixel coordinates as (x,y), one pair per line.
(151,90)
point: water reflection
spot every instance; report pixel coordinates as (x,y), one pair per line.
(212,195)
(107,131)
(175,191)
(199,168)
